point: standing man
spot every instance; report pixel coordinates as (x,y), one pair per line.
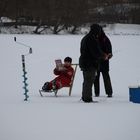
(91,54)
(106,47)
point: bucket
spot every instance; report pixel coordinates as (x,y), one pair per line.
(134,94)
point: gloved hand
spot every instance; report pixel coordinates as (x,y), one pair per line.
(110,55)
(107,56)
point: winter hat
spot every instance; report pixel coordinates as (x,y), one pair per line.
(68,59)
(95,29)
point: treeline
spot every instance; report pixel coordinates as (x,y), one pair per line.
(60,14)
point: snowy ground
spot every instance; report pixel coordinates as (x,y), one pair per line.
(64,117)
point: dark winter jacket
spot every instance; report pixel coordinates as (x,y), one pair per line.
(90,51)
(106,47)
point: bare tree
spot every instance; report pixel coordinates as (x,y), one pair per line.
(3,7)
(61,14)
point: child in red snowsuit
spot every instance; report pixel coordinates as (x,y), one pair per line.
(63,78)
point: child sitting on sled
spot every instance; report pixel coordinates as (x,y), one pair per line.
(64,74)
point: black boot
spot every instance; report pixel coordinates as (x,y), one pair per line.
(109,95)
(97,95)
(46,87)
(87,100)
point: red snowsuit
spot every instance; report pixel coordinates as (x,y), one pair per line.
(64,77)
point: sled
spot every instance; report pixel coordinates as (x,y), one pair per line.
(54,91)
(70,86)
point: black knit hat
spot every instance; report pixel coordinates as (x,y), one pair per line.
(95,29)
(68,59)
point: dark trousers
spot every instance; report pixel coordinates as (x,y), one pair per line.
(89,78)
(107,83)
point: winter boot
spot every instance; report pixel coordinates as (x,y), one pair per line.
(87,100)
(46,87)
(54,87)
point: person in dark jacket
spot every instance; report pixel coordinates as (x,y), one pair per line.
(91,54)
(106,47)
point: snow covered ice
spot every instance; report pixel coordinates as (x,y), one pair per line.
(64,117)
